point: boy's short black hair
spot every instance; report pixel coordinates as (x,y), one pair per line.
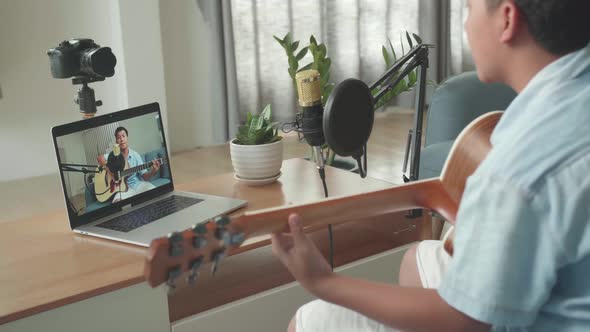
(119,129)
(559,26)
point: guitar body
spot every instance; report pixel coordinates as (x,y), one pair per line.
(184,251)
(105,185)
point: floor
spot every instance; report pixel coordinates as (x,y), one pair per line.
(386,149)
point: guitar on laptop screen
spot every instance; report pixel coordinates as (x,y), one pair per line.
(112,177)
(169,257)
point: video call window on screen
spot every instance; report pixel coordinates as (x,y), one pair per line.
(96,171)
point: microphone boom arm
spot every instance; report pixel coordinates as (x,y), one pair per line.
(416,58)
(79,168)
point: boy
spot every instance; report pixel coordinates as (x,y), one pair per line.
(522,248)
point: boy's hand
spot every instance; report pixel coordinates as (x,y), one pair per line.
(301,257)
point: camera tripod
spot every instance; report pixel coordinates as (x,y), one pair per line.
(86,99)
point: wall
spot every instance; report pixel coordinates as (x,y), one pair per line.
(188,73)
(32,101)
(144,135)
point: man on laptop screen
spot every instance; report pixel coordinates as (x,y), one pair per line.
(121,171)
(136,182)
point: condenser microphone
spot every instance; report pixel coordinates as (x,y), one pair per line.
(116,161)
(312,111)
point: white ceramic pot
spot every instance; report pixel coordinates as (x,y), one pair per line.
(257,161)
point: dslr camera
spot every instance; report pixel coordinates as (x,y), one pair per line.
(81,58)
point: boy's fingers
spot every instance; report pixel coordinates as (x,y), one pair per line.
(296,228)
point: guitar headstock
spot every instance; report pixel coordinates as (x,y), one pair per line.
(170,257)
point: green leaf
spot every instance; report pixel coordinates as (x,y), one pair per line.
(279,40)
(288,43)
(248,118)
(392,50)
(257,136)
(293,63)
(312,40)
(412,77)
(324,80)
(321,68)
(386,57)
(409,40)
(328,63)
(242,135)
(313,48)
(301,53)
(292,72)
(402,42)
(327,76)
(266,113)
(401,87)
(322,51)
(417,38)
(306,67)
(295,45)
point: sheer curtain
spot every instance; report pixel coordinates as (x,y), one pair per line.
(353,31)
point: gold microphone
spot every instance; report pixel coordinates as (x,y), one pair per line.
(312,111)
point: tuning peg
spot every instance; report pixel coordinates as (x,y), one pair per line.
(220,233)
(192,277)
(222,221)
(173,274)
(175,240)
(232,239)
(216,258)
(199,242)
(200,229)
(237,239)
(194,265)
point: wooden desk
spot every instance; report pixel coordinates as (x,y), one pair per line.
(43,265)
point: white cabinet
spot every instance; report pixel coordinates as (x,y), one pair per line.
(272,310)
(135,308)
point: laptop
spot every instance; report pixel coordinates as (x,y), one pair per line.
(112,184)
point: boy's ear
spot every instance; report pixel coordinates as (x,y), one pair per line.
(511,21)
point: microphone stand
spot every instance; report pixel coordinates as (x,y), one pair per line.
(83,168)
(416,58)
(79,168)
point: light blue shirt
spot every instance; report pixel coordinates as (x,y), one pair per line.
(133,159)
(522,247)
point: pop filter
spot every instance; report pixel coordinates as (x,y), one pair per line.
(348,118)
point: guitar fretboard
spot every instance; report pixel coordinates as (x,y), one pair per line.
(140,167)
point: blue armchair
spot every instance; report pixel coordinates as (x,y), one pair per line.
(160,178)
(455,103)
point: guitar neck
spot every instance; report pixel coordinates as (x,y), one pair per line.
(420,194)
(139,168)
(187,250)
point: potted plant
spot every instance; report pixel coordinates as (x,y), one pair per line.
(257,151)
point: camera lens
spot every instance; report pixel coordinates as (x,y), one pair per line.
(98,62)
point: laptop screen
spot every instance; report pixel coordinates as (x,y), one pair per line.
(111,161)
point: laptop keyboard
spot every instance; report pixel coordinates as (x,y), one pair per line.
(149,213)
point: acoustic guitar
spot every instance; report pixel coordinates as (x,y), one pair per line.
(106,184)
(169,257)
